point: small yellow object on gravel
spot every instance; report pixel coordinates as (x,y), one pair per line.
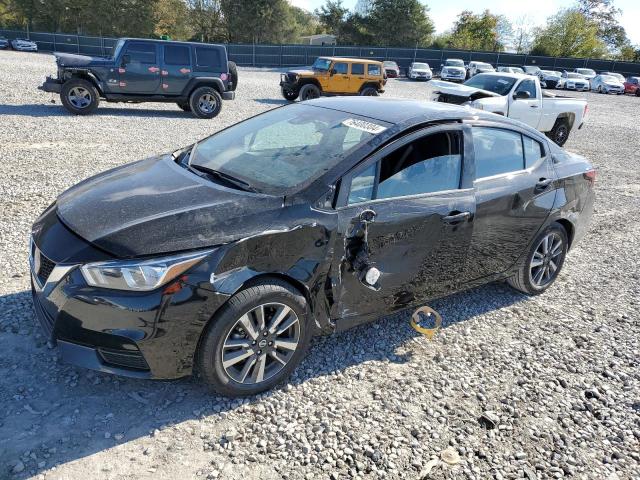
(450,456)
(428,312)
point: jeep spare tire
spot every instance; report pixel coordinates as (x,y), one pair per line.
(233,75)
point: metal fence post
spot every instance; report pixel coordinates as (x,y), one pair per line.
(253,62)
(54,42)
(498,59)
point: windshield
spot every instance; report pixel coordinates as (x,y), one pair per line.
(286,148)
(390,64)
(585,71)
(117,48)
(421,65)
(574,75)
(609,78)
(483,65)
(492,83)
(454,63)
(321,64)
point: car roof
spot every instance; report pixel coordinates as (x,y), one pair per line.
(404,111)
(505,74)
(165,42)
(346,59)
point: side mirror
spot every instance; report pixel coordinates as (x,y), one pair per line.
(126,59)
(367,216)
(521,95)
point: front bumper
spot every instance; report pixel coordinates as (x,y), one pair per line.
(452,77)
(418,76)
(51,85)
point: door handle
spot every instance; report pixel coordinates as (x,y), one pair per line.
(543,183)
(455,218)
(533,106)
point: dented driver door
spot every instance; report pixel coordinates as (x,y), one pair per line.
(424,204)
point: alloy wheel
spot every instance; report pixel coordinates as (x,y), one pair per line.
(546,260)
(79,97)
(561,134)
(261,343)
(207,103)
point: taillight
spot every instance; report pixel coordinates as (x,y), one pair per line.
(590,176)
(586,110)
(223,77)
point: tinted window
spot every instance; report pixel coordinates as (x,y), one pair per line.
(429,164)
(176,55)
(532,151)
(527,86)
(357,68)
(208,58)
(341,68)
(494,83)
(142,52)
(497,151)
(373,69)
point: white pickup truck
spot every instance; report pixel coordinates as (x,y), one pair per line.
(517,96)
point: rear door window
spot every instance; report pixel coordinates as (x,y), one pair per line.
(176,55)
(357,68)
(140,52)
(497,151)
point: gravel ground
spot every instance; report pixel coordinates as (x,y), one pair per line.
(516,387)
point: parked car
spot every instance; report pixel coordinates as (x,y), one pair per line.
(587,73)
(24,45)
(549,78)
(632,85)
(531,69)
(607,84)
(419,71)
(519,97)
(316,216)
(619,76)
(453,70)
(475,67)
(510,69)
(334,76)
(195,76)
(574,81)
(392,69)
(4,43)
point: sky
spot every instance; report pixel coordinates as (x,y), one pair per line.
(444,12)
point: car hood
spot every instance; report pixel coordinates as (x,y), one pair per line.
(303,72)
(421,70)
(461,90)
(155,206)
(73,60)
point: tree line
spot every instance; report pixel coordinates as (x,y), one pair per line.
(590,28)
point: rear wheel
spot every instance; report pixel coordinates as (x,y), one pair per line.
(205,102)
(79,96)
(543,263)
(560,132)
(256,340)
(309,92)
(369,92)
(637,92)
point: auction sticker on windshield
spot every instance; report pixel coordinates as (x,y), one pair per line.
(364,126)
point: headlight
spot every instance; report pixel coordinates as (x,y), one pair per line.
(139,275)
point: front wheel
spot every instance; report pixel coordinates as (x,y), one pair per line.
(309,92)
(289,95)
(205,102)
(256,340)
(543,263)
(369,92)
(79,96)
(560,132)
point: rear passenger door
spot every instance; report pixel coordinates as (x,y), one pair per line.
(357,77)
(139,68)
(176,68)
(515,192)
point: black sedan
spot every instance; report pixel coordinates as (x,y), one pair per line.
(228,255)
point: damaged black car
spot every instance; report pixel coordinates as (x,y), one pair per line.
(225,257)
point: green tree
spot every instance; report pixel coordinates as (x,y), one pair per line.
(629,53)
(206,20)
(605,15)
(171,17)
(259,21)
(399,23)
(484,31)
(332,16)
(569,33)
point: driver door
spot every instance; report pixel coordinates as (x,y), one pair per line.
(421,192)
(527,110)
(338,78)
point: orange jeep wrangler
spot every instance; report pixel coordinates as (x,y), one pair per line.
(334,76)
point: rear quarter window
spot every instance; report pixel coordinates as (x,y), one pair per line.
(208,59)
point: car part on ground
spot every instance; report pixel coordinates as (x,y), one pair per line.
(147,71)
(519,97)
(330,76)
(228,257)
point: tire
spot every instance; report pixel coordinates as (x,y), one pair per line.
(226,326)
(560,132)
(525,279)
(289,95)
(599,89)
(79,96)
(637,92)
(233,74)
(369,92)
(205,102)
(309,92)
(184,106)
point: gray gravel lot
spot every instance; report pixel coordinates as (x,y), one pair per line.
(556,377)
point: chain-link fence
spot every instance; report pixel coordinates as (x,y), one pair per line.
(295,55)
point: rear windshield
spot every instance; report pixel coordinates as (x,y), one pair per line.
(286,148)
(492,83)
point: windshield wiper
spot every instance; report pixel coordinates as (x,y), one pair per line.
(225,177)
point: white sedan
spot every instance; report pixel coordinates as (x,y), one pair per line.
(24,45)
